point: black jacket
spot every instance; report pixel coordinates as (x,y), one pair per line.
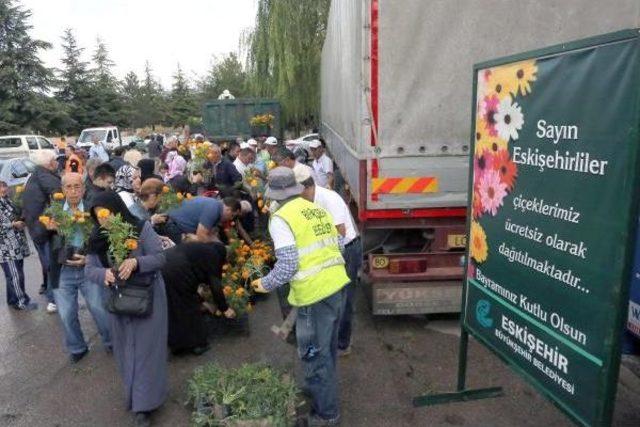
(37,194)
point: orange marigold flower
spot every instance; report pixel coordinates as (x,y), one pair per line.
(245,274)
(131,244)
(58,196)
(165,189)
(227,290)
(179,196)
(44,219)
(240,292)
(189,196)
(104,213)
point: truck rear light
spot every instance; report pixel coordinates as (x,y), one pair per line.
(407,266)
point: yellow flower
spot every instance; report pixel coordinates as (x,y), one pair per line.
(227,290)
(44,219)
(502,82)
(189,196)
(19,189)
(253,182)
(179,196)
(131,244)
(104,213)
(486,142)
(58,196)
(240,292)
(525,73)
(166,189)
(479,250)
(271,164)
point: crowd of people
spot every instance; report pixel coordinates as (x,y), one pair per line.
(317,247)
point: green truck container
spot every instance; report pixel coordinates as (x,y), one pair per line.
(228,119)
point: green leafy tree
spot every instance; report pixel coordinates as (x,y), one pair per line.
(23,77)
(284,53)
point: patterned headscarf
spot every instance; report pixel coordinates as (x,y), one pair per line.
(124,178)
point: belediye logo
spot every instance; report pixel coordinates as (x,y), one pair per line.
(483,309)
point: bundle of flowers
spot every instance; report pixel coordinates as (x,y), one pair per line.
(67,223)
(262,120)
(121,235)
(170,199)
(251,395)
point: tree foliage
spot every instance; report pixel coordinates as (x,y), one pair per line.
(284,51)
(23,77)
(225,74)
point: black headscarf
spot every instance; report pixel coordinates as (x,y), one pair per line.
(147,166)
(98,242)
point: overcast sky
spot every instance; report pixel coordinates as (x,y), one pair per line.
(164,32)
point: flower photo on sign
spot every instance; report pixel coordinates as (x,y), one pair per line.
(498,122)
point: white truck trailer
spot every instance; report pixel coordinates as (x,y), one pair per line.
(396,115)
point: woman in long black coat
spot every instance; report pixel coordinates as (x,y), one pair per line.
(189,265)
(139,343)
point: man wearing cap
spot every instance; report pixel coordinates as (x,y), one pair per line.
(308,257)
(269,148)
(322,164)
(285,157)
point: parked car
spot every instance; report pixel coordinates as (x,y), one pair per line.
(300,146)
(16,171)
(12,146)
(109,136)
(138,143)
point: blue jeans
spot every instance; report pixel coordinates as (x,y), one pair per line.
(71,281)
(353,262)
(14,275)
(44,254)
(317,336)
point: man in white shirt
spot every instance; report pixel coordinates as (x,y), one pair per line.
(346,226)
(97,151)
(322,164)
(244,160)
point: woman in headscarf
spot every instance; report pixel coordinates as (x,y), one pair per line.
(176,164)
(139,343)
(150,195)
(147,169)
(127,185)
(189,265)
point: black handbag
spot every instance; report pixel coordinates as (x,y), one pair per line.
(133,297)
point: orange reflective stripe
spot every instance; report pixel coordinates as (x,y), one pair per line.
(404,185)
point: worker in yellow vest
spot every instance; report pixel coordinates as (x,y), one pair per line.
(308,251)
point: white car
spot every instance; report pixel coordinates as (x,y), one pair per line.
(300,146)
(108,136)
(16,171)
(12,146)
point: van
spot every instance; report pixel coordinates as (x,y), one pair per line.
(109,137)
(12,146)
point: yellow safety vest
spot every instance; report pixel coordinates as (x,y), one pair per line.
(321,270)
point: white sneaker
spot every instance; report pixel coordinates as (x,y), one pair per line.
(52,308)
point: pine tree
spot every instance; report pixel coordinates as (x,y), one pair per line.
(74,83)
(224,74)
(151,106)
(183,104)
(106,105)
(23,77)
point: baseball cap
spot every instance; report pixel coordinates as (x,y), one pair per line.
(315,144)
(271,141)
(252,142)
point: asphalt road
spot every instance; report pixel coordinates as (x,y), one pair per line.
(394,359)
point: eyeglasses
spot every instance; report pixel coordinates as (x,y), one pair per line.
(76,187)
